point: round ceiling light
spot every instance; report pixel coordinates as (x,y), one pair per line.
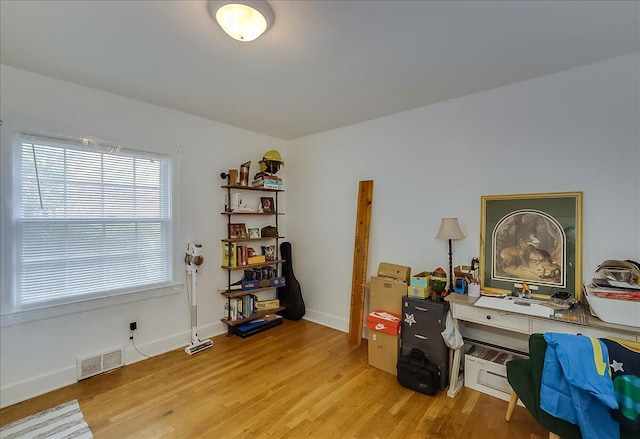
(242,20)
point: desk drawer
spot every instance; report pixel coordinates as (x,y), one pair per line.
(542,326)
(490,317)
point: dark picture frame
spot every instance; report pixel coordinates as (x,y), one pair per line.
(532,238)
(237,231)
(267,205)
(269,252)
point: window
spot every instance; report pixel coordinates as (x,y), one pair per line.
(89,222)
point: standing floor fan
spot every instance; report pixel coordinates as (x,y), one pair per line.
(194,260)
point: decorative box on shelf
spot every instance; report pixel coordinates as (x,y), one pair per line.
(250,285)
(277,281)
(421,279)
(263,283)
(268,304)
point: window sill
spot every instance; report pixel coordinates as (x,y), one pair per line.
(20,317)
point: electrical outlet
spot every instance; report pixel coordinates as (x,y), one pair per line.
(133,326)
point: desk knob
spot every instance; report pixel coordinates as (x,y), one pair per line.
(488,317)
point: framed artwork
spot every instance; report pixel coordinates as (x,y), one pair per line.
(237,231)
(267,204)
(254,233)
(532,238)
(269,252)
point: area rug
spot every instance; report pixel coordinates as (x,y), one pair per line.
(63,421)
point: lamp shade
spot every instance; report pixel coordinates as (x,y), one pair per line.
(449,229)
(242,20)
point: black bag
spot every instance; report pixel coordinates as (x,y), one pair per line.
(417,373)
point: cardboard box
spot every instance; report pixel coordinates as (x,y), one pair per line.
(485,370)
(388,287)
(383,321)
(422,292)
(277,281)
(384,336)
(393,271)
(421,279)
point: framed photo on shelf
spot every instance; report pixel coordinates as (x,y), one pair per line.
(269,252)
(267,205)
(532,238)
(254,233)
(237,231)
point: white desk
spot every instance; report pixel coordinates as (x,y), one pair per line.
(463,310)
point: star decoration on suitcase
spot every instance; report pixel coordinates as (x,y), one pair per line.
(409,319)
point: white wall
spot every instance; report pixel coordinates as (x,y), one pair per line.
(40,356)
(572,131)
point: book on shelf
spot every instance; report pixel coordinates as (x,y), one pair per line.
(271,186)
(231,309)
(234,202)
(249,302)
(229,258)
(612,293)
(237,308)
(268,183)
(242,255)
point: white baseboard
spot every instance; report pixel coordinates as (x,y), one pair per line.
(36,386)
(39,385)
(327,320)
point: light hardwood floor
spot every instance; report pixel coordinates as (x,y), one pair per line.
(297,380)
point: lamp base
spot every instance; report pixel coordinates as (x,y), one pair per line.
(449,288)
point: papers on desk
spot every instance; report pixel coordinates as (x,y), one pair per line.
(516,305)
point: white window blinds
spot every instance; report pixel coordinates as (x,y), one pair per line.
(90,222)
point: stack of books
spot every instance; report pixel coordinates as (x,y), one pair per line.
(613,304)
(236,255)
(604,289)
(268,181)
(240,307)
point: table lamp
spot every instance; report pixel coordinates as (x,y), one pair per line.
(450,229)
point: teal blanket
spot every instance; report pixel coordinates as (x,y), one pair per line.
(577,385)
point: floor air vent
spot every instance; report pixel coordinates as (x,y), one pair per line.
(99,363)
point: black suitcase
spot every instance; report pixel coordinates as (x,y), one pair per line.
(417,373)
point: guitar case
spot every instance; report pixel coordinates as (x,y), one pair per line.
(290,295)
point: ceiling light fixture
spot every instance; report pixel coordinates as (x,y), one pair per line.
(243,20)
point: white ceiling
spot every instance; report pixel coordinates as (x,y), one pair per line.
(323,64)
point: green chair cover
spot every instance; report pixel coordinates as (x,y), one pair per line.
(525,378)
